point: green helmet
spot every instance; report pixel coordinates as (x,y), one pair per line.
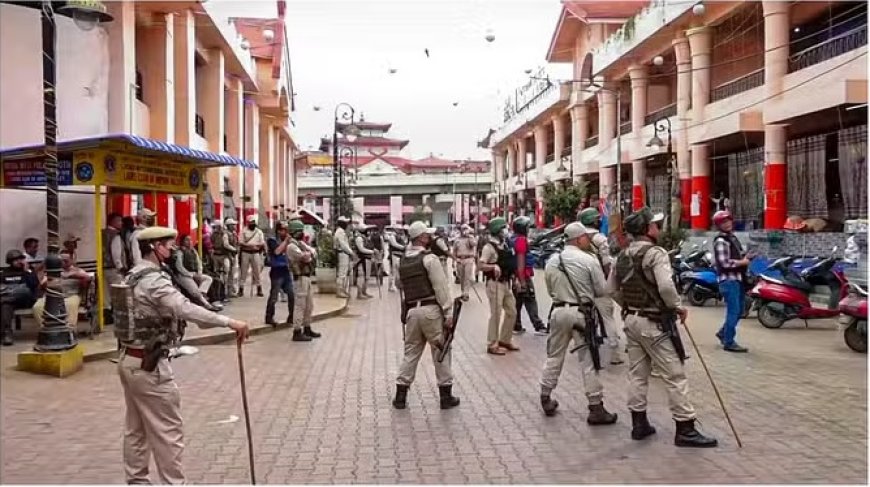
(636,223)
(521,225)
(588,216)
(296,226)
(496,224)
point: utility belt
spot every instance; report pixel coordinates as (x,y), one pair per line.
(250,251)
(566,305)
(654,316)
(149,359)
(421,302)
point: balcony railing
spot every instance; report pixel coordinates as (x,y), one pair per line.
(199,125)
(737,86)
(625,128)
(592,141)
(566,151)
(831,48)
(550,158)
(664,112)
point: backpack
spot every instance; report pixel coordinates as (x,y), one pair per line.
(217,240)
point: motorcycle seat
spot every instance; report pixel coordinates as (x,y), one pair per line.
(791,282)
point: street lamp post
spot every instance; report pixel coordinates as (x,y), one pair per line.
(661,125)
(343,111)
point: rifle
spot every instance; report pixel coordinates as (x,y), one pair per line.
(449,334)
(403,316)
(669,316)
(593,333)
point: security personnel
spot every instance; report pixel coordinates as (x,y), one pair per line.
(440,248)
(568,274)
(464,253)
(345,254)
(641,283)
(302,258)
(497,262)
(600,248)
(233,249)
(252,245)
(18,288)
(396,245)
(430,313)
(365,254)
(146,333)
(146,218)
(221,256)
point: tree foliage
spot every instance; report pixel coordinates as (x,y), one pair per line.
(564,203)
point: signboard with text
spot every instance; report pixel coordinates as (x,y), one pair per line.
(136,172)
(525,95)
(31,172)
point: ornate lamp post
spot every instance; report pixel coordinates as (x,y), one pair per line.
(661,125)
(343,111)
(55,334)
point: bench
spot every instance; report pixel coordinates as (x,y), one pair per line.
(87,310)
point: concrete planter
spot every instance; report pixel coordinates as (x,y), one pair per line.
(325,279)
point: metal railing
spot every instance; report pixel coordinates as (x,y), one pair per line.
(828,49)
(737,86)
(566,151)
(550,158)
(664,112)
(625,128)
(592,141)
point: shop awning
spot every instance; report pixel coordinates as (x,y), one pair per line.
(132,144)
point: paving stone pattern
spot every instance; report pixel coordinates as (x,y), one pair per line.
(321,413)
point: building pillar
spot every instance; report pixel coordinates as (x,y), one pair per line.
(122,69)
(639,82)
(775,177)
(701,187)
(776,43)
(700,47)
(606,118)
(540,160)
(520,166)
(498,160)
(684,99)
(184,47)
(638,189)
(266,159)
(158,77)
(606,181)
(558,137)
(579,134)
(211,93)
(509,168)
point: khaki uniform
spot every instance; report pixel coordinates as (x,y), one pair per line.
(303,291)
(426,325)
(249,260)
(153,419)
(648,348)
(232,259)
(601,249)
(396,249)
(464,249)
(223,262)
(342,247)
(361,248)
(501,299)
(442,244)
(133,244)
(114,268)
(587,277)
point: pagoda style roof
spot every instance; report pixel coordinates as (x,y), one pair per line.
(367,126)
(366,141)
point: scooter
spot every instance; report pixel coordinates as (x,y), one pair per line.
(853,318)
(789,297)
(684,266)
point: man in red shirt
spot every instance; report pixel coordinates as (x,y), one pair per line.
(525,289)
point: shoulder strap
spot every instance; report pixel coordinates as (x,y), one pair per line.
(568,277)
(134,278)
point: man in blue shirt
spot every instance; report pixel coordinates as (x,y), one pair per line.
(279,273)
(731,264)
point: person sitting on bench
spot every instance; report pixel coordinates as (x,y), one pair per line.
(18,288)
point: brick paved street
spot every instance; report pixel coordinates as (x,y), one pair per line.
(322,413)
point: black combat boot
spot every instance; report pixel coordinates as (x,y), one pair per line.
(309,332)
(241,293)
(7,337)
(640,427)
(259,291)
(300,336)
(401,399)
(599,415)
(688,436)
(549,405)
(448,400)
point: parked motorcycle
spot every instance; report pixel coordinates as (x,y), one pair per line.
(684,266)
(788,297)
(853,318)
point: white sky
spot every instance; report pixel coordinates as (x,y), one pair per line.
(342,50)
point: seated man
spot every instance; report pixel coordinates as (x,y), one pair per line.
(18,287)
(186,270)
(74,282)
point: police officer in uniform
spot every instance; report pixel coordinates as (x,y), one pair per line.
(568,274)
(464,252)
(302,258)
(498,267)
(233,249)
(18,288)
(641,283)
(600,247)
(146,333)
(221,257)
(441,248)
(345,254)
(365,254)
(429,312)
(396,244)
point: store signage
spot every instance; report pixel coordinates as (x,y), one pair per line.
(119,170)
(526,95)
(31,172)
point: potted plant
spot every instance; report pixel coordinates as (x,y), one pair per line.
(327,261)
